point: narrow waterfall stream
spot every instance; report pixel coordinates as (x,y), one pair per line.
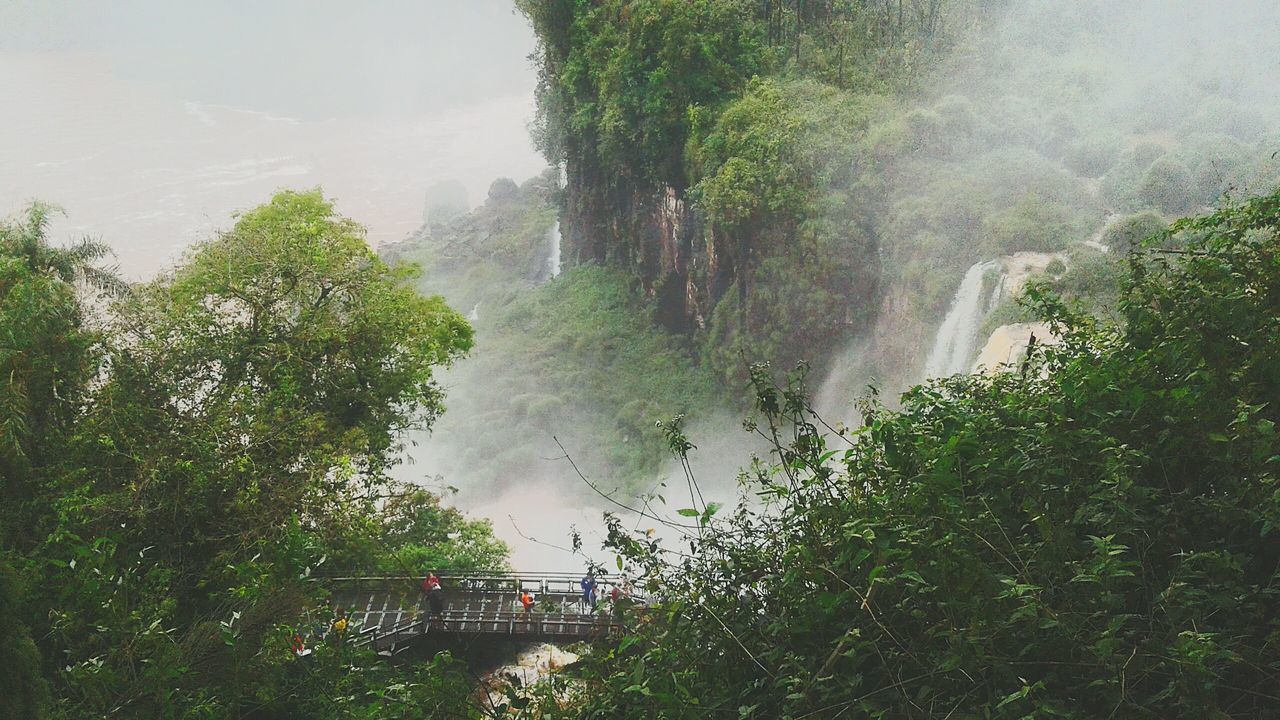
(953,347)
(1095,240)
(553,260)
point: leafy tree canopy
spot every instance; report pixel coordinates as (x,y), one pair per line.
(1093,534)
(184,467)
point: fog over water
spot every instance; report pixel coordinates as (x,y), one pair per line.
(151,122)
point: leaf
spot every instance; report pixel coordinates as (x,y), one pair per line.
(914,576)
(688,512)
(1014,696)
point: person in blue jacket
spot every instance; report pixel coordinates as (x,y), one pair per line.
(588,584)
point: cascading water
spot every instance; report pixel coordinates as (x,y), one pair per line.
(1095,240)
(954,344)
(553,260)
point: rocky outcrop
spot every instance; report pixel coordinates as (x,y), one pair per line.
(1007,346)
(657,236)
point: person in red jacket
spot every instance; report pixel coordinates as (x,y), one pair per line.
(435,594)
(431,583)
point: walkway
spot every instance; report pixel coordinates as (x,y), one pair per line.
(388,612)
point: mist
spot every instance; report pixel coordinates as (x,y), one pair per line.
(1038,111)
(152,122)
(1077,117)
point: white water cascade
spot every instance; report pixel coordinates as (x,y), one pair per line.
(953,347)
(1095,240)
(553,260)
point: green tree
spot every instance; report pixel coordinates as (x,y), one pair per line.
(770,177)
(252,403)
(621,77)
(1092,535)
(27,239)
(418,534)
(23,691)
(47,356)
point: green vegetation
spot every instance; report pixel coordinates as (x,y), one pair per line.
(182,464)
(483,256)
(579,357)
(835,161)
(772,170)
(749,112)
(1094,536)
(578,353)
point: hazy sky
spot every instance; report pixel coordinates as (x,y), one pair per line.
(152,121)
(312,59)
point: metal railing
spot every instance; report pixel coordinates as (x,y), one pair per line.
(387,610)
(510,582)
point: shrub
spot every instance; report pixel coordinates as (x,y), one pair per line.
(1120,184)
(1030,224)
(1166,186)
(1096,536)
(1127,233)
(1093,155)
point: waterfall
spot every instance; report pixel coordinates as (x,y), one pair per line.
(474,315)
(1095,240)
(953,347)
(553,259)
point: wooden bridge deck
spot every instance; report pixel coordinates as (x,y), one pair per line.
(386,613)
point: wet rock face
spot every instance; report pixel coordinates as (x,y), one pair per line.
(657,236)
(1007,346)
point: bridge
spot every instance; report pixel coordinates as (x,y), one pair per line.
(387,613)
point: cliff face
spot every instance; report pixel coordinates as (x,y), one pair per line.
(658,237)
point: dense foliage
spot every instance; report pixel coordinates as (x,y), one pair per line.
(582,353)
(576,357)
(777,173)
(848,160)
(183,463)
(620,77)
(749,112)
(1093,535)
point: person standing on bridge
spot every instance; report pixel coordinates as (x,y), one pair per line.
(435,594)
(526,600)
(588,584)
(339,627)
(431,583)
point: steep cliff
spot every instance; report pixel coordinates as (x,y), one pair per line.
(655,235)
(711,151)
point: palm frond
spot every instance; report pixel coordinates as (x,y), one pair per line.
(88,250)
(35,230)
(104,280)
(27,237)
